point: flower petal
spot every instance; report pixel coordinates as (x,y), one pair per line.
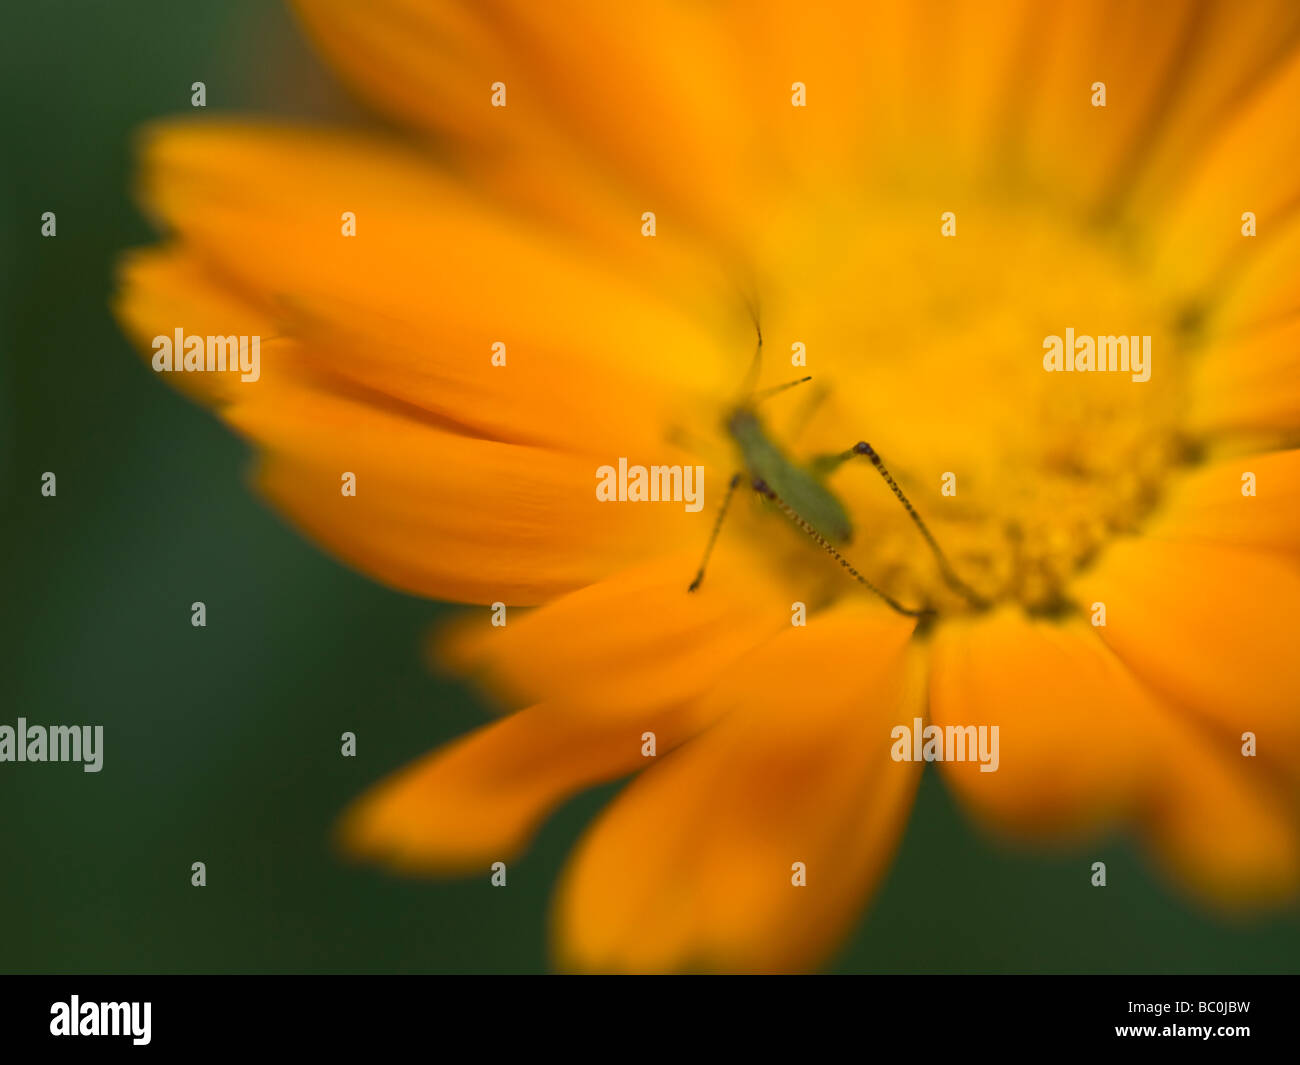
(1249,385)
(1249,166)
(631,644)
(437,273)
(165,289)
(692,865)
(1134,50)
(1211,628)
(1223,825)
(427,516)
(1208,505)
(429,63)
(480,799)
(1071,742)
(1264,293)
(1231,50)
(623,95)
(440,514)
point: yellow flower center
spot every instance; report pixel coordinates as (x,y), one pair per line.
(931,348)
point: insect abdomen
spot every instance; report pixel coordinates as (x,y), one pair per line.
(804,494)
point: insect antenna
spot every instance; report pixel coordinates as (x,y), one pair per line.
(764,490)
(756,363)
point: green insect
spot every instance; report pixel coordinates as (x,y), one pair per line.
(801,493)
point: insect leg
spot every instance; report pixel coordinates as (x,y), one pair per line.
(804,416)
(762,488)
(717,528)
(945,567)
(767,393)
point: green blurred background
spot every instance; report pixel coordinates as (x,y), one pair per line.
(222,744)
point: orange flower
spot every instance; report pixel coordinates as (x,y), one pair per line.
(800,162)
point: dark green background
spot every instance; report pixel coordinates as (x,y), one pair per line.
(222,744)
